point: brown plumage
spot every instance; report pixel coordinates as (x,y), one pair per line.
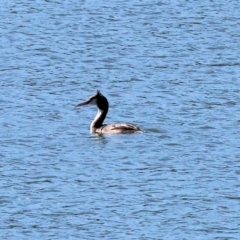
(97,125)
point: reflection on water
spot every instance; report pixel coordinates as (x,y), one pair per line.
(170,68)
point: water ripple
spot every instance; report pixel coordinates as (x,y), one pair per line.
(169,67)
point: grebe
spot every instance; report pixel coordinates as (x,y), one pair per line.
(97,125)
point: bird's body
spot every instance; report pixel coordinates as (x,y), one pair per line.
(97,125)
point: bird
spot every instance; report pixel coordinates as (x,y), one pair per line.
(97,125)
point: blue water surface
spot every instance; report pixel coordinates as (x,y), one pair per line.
(172,68)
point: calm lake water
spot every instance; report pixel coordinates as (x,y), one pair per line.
(172,68)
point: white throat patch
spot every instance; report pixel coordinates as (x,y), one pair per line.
(93,102)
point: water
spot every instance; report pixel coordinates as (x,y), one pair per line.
(171,67)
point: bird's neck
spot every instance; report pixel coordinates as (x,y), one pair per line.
(98,120)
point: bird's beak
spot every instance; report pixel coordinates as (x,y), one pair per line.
(83,103)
